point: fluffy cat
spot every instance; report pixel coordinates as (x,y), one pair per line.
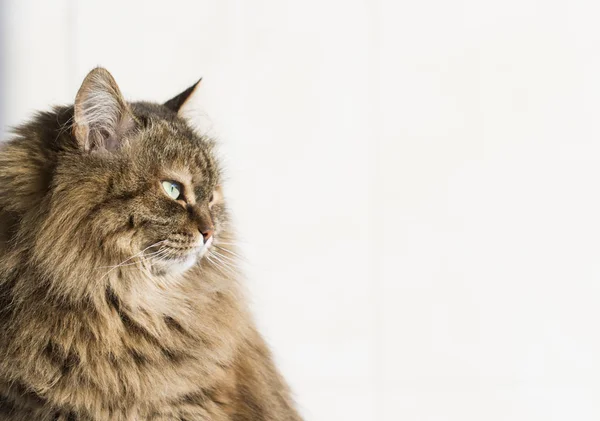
(118,285)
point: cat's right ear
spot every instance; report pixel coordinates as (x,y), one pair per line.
(102,115)
(176,103)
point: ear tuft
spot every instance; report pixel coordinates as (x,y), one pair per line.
(102,116)
(175,103)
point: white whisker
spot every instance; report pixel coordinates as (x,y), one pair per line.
(234,254)
(223,262)
(228,259)
(220,265)
(132,257)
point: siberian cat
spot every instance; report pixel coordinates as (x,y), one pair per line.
(118,292)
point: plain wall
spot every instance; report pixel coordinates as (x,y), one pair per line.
(415,183)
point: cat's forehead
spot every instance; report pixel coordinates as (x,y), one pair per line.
(178,151)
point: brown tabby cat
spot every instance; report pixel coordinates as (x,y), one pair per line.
(118,292)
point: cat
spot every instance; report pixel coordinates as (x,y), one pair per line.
(119,289)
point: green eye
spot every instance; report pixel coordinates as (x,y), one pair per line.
(173,189)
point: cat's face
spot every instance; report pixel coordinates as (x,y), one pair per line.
(168,188)
(150,184)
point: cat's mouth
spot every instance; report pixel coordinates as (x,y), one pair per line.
(176,257)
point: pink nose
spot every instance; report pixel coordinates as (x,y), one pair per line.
(207,233)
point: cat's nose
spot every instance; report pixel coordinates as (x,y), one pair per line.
(202,217)
(207,232)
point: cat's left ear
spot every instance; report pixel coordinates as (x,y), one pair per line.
(176,103)
(102,115)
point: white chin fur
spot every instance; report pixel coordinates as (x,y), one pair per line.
(176,267)
(179,267)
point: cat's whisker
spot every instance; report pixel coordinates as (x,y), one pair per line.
(222,243)
(226,258)
(162,253)
(212,262)
(231,242)
(223,262)
(221,269)
(228,240)
(234,254)
(141,252)
(132,257)
(220,265)
(227,246)
(132,263)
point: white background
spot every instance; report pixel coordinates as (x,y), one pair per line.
(415,183)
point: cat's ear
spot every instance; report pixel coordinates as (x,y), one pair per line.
(102,116)
(176,103)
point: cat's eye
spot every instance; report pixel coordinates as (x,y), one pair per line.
(173,189)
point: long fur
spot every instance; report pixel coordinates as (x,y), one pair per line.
(90,329)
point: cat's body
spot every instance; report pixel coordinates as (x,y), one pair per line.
(118,302)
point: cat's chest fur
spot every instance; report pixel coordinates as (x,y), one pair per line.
(123,360)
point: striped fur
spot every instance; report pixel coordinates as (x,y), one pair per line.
(83,339)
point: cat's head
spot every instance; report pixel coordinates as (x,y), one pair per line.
(135,186)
